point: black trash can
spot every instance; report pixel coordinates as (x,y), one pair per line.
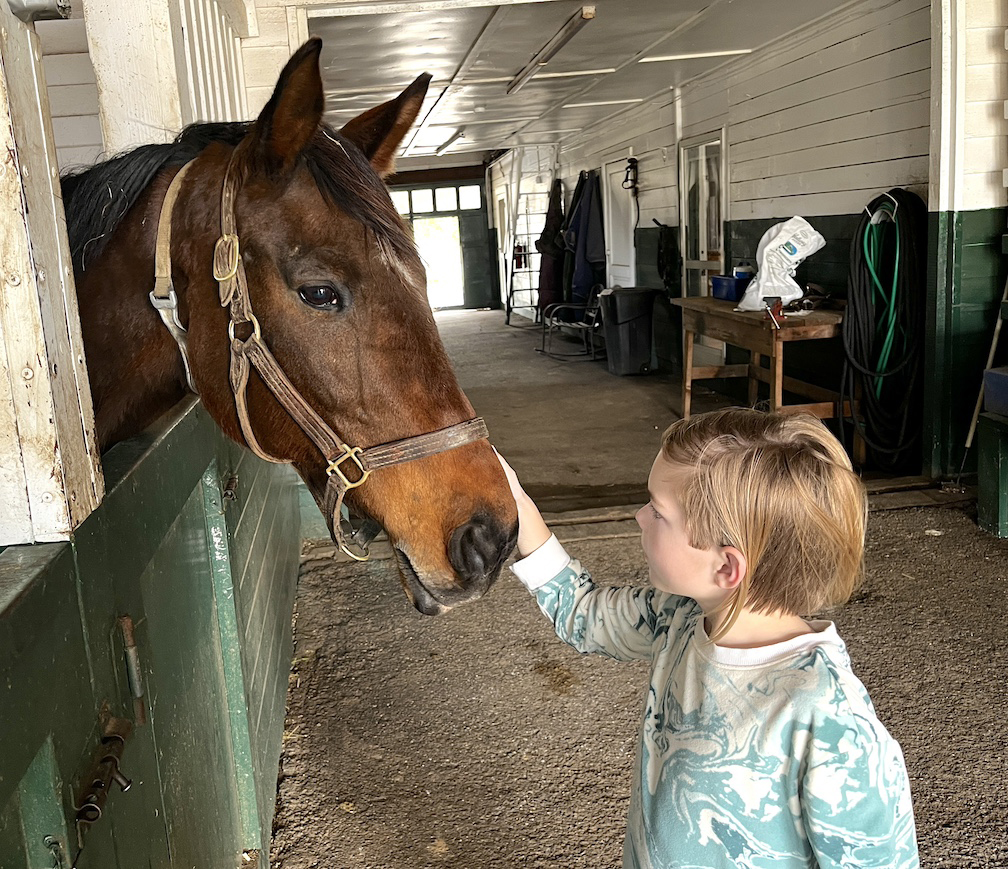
(626,322)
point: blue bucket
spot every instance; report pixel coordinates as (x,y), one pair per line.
(729,288)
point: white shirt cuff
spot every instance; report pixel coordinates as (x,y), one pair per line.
(538,568)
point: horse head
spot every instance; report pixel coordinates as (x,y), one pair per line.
(339,295)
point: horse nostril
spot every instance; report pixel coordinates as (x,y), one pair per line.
(479,547)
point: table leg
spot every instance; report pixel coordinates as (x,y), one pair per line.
(777,376)
(687,383)
(755,361)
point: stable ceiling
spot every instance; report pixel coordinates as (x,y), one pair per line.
(474,49)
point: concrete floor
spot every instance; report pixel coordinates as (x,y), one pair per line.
(476,740)
(571,430)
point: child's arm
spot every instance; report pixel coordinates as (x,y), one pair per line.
(618,622)
(856,793)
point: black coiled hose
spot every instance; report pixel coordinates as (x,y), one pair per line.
(883,331)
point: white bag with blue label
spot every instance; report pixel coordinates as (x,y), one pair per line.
(780,251)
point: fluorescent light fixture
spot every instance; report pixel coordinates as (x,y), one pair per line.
(447,143)
(491,121)
(691,56)
(602,103)
(545,54)
(577,72)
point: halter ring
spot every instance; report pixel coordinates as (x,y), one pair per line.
(256,333)
(352,453)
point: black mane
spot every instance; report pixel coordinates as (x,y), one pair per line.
(97,198)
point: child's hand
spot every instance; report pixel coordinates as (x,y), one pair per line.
(532,530)
(516,488)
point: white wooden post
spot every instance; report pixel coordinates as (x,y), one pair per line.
(134,60)
(162,64)
(50,477)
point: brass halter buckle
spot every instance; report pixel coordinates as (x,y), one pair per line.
(226,256)
(354,455)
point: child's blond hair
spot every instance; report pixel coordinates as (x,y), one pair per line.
(781,489)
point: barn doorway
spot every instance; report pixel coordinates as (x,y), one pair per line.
(450,226)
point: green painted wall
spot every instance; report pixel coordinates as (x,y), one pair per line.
(209,583)
(966,278)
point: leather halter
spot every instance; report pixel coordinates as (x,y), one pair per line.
(346,467)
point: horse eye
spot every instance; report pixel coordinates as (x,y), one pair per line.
(322,296)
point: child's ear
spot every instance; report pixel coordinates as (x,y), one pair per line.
(733,568)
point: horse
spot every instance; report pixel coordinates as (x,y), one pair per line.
(292,219)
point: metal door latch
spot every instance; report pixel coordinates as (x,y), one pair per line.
(106,770)
(133,670)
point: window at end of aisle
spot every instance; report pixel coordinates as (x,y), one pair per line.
(445,199)
(400,199)
(423,201)
(469,197)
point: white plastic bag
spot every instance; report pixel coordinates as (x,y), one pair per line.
(780,251)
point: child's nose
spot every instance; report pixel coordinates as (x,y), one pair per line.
(639,516)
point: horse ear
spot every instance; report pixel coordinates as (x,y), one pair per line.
(379,131)
(289,120)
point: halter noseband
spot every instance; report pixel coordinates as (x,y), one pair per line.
(346,467)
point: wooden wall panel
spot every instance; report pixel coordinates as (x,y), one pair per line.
(210,76)
(73,91)
(985,173)
(52,478)
(833,115)
(647,133)
(817,123)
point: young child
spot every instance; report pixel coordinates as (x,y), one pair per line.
(759,747)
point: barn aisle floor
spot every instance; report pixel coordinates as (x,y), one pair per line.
(476,740)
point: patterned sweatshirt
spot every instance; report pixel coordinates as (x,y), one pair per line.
(766,758)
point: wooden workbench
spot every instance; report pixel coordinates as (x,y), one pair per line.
(717,318)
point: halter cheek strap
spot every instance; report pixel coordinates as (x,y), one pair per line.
(163,296)
(346,467)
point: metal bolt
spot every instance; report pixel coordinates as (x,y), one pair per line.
(121,780)
(41,276)
(13,278)
(47,497)
(27,373)
(56,849)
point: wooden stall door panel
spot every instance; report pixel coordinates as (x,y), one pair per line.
(187,697)
(12,854)
(263,519)
(480,286)
(133,820)
(48,712)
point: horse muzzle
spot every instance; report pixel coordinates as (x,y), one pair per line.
(477,551)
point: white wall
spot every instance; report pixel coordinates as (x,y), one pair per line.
(73,91)
(210,80)
(648,130)
(826,120)
(209,57)
(985,173)
(281,30)
(817,123)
